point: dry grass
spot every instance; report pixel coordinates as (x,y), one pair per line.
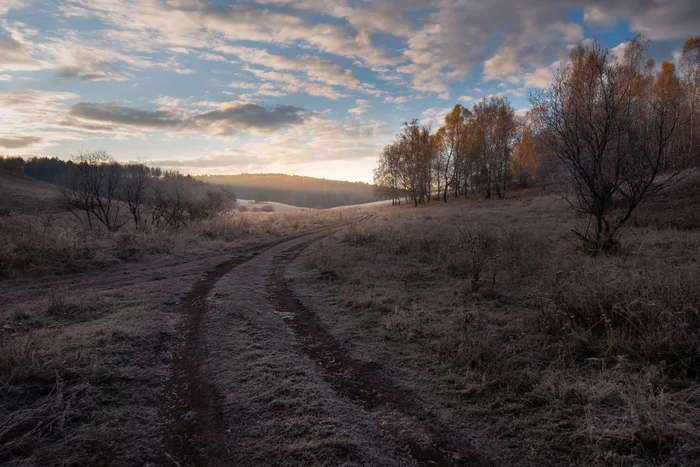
(69,378)
(87,320)
(42,244)
(488,309)
(549,356)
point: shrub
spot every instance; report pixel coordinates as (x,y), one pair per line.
(650,316)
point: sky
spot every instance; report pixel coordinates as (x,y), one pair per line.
(305,87)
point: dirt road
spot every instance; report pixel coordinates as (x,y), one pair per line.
(257,380)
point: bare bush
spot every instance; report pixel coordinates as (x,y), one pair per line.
(359,235)
(179,200)
(43,243)
(651,317)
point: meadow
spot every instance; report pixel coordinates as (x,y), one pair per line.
(476,319)
(491,311)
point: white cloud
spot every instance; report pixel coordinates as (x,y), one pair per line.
(541,77)
(362,107)
(276,83)
(434,117)
(398,100)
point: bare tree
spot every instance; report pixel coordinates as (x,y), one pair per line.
(135,188)
(92,186)
(169,201)
(611,128)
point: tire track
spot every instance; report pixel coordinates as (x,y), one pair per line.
(365,383)
(194,425)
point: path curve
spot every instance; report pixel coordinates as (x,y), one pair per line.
(192,433)
(253,363)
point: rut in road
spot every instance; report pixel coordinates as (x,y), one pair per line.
(193,433)
(362,383)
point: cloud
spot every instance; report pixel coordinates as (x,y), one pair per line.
(434,117)
(236,116)
(16,142)
(16,56)
(214,57)
(112,112)
(73,59)
(596,16)
(32,102)
(398,100)
(241,85)
(434,43)
(541,77)
(184,71)
(288,83)
(362,107)
(287,150)
(315,69)
(525,52)
(396,51)
(229,118)
(36,119)
(658,20)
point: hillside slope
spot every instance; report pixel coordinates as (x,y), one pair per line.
(23,194)
(295,190)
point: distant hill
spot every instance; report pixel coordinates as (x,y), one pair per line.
(295,190)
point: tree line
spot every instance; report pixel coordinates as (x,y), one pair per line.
(103,192)
(484,149)
(49,170)
(615,128)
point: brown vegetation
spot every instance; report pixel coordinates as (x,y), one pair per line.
(545,355)
(87,324)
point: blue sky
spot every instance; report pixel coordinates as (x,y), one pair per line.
(308,87)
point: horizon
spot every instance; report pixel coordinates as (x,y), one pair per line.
(291,87)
